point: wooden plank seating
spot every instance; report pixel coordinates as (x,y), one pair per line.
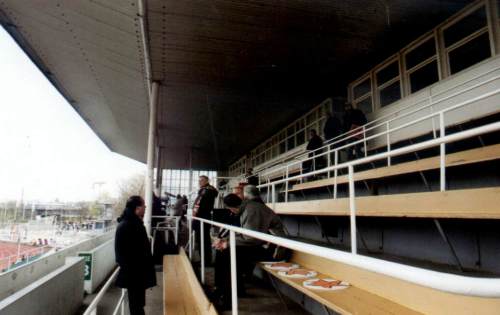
(479,203)
(182,293)
(352,300)
(483,154)
(374,293)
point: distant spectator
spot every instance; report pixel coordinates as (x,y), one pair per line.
(133,255)
(251,178)
(333,127)
(178,208)
(315,142)
(202,208)
(354,119)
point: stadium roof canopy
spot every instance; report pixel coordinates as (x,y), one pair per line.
(231,72)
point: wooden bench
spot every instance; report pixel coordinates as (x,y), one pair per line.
(182,293)
(479,203)
(373,293)
(483,154)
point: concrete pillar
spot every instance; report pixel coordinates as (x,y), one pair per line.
(150,157)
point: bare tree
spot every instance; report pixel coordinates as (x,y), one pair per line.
(134,185)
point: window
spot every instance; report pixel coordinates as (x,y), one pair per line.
(390,94)
(388,84)
(362,88)
(361,94)
(469,24)
(388,73)
(421,65)
(467,40)
(470,53)
(421,53)
(424,76)
(365,105)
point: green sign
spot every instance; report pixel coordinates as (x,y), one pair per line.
(88,265)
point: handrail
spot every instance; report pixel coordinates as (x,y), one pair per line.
(92,308)
(388,131)
(456,284)
(408,149)
(348,135)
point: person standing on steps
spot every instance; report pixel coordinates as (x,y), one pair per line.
(133,255)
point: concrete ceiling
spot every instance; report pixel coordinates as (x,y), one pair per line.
(232,72)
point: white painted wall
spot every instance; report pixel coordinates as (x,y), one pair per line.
(103,263)
(58,293)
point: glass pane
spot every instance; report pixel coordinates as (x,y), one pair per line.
(465,26)
(290,131)
(470,53)
(301,137)
(291,143)
(282,147)
(421,53)
(389,72)
(390,94)
(424,76)
(362,88)
(365,105)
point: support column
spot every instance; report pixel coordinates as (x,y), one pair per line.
(158,170)
(150,157)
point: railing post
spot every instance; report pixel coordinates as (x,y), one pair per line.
(267,197)
(286,183)
(202,250)
(442,151)
(335,172)
(364,140)
(190,230)
(352,206)
(124,300)
(432,118)
(273,191)
(234,282)
(328,159)
(388,138)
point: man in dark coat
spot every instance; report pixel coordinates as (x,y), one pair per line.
(202,208)
(354,119)
(333,127)
(133,255)
(315,142)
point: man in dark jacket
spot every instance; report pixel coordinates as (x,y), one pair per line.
(202,208)
(332,128)
(315,142)
(133,255)
(354,119)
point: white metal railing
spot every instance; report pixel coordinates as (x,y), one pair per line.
(456,284)
(120,307)
(382,122)
(441,141)
(335,150)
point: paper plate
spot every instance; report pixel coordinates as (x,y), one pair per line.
(280,265)
(298,273)
(325,284)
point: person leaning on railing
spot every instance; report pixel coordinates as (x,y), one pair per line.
(221,295)
(256,216)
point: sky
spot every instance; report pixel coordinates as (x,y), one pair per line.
(47,151)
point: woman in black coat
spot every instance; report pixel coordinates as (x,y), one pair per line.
(133,255)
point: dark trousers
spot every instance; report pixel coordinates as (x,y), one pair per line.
(136,300)
(354,151)
(246,259)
